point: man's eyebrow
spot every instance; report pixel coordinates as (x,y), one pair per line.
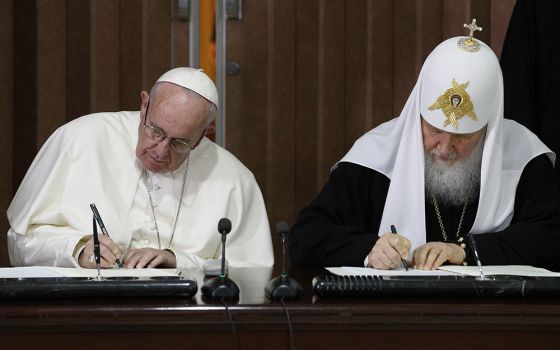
(183,139)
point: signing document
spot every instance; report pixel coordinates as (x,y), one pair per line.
(49,271)
(447,270)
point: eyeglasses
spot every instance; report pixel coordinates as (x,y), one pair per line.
(156,134)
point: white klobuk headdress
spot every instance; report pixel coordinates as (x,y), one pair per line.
(459,90)
(460,85)
(192,79)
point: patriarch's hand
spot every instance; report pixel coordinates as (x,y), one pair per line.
(388,250)
(432,255)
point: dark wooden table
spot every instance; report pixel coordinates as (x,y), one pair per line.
(318,323)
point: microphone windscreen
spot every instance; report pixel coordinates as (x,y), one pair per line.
(224,226)
(282,228)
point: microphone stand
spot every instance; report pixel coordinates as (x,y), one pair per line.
(221,287)
(283,286)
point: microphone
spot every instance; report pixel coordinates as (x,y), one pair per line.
(473,244)
(283,286)
(221,287)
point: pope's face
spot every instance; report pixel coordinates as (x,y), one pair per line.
(178,114)
(448,147)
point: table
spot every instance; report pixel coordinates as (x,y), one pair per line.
(327,323)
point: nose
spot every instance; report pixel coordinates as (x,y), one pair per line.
(446,143)
(161,149)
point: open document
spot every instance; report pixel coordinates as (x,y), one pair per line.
(447,270)
(48,271)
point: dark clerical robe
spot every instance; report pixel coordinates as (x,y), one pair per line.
(339,227)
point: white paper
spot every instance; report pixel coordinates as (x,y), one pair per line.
(448,270)
(492,270)
(27,272)
(49,271)
(366,271)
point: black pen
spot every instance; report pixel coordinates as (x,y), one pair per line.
(404,263)
(96,250)
(101,225)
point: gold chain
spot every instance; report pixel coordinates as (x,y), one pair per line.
(443,233)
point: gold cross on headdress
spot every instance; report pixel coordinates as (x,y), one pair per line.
(469,44)
(472,28)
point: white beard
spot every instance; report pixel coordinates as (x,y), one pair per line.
(452,184)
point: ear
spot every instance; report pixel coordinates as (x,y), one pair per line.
(210,129)
(145,97)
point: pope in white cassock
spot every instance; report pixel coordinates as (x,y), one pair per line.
(159,184)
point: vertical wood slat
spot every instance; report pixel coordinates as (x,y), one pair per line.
(369,67)
(78,58)
(320,93)
(104,93)
(404,51)
(480,9)
(24,116)
(247,91)
(307,72)
(280,110)
(454,14)
(25,86)
(180,37)
(131,38)
(6,117)
(500,13)
(157,35)
(331,105)
(51,63)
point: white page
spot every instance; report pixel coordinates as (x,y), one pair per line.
(366,271)
(27,272)
(446,270)
(511,270)
(49,271)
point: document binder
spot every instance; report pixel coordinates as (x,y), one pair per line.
(84,287)
(436,286)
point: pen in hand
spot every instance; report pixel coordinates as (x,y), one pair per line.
(96,250)
(404,262)
(102,226)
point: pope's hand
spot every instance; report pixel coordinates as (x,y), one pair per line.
(108,250)
(432,255)
(149,257)
(388,251)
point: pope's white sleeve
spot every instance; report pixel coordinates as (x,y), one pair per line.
(187,260)
(44,246)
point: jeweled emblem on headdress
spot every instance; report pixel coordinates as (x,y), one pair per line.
(455,103)
(470,44)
